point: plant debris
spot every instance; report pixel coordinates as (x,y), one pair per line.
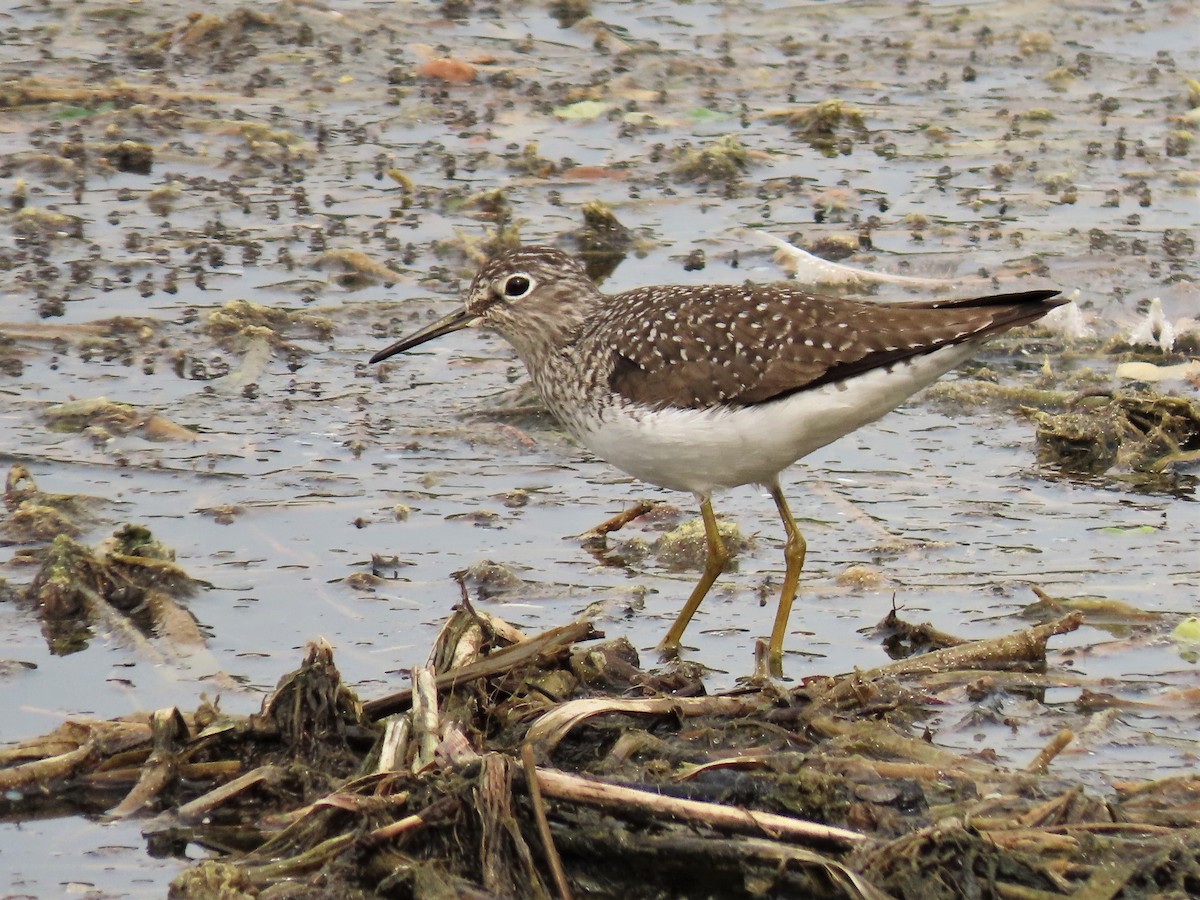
(1149,440)
(483,778)
(102,418)
(35,516)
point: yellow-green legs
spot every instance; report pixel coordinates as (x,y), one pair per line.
(714,564)
(793,554)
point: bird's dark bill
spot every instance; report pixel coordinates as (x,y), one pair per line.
(457,320)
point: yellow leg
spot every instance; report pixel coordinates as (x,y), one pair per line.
(793,554)
(714,565)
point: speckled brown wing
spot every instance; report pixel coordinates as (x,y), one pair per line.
(683,347)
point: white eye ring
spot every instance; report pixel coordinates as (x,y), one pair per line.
(515,286)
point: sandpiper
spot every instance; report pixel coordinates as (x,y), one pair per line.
(703,387)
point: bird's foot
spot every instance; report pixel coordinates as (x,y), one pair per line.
(768,664)
(667,651)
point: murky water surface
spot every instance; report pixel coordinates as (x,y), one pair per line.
(1027,143)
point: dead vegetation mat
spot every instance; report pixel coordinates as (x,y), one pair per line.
(554,766)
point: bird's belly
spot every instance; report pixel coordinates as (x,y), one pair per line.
(702,450)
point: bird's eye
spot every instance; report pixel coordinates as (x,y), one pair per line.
(517,286)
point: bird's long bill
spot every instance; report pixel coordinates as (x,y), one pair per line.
(458,319)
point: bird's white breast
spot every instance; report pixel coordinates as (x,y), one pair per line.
(702,450)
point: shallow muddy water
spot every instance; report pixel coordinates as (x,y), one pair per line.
(1007,145)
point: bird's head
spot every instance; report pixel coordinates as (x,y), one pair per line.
(535,297)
